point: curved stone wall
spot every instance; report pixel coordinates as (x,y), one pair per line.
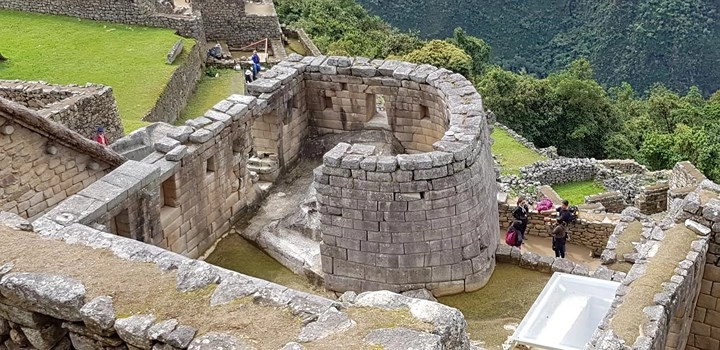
(421,220)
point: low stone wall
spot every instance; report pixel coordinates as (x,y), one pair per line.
(139,12)
(43,309)
(591,230)
(230,21)
(685,174)
(302,36)
(612,201)
(561,170)
(80,108)
(653,199)
(625,166)
(678,317)
(179,88)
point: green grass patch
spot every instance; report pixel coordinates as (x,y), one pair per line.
(575,192)
(511,154)
(65,50)
(210,91)
(505,300)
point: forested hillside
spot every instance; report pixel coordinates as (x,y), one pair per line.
(637,41)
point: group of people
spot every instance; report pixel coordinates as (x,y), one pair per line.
(559,225)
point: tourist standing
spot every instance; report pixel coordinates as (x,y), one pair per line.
(521,214)
(255,64)
(101,138)
(559,238)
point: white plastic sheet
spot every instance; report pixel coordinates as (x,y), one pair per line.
(566,313)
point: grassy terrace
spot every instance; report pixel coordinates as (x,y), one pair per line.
(210,91)
(511,154)
(65,50)
(575,192)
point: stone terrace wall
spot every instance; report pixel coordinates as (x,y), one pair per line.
(612,201)
(140,12)
(37,172)
(561,170)
(625,166)
(653,199)
(683,312)
(407,221)
(181,86)
(46,310)
(227,20)
(591,231)
(80,108)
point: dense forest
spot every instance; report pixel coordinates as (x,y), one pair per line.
(567,108)
(636,41)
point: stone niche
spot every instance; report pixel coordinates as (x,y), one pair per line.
(425,219)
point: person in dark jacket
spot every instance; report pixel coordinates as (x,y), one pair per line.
(559,238)
(564,213)
(521,214)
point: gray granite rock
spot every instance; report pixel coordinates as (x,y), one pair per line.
(563,265)
(6,268)
(330,322)
(166,144)
(14,221)
(181,133)
(161,330)
(180,337)
(99,313)
(218,341)
(177,154)
(697,227)
(423,294)
(135,330)
(231,288)
(293,346)
(44,338)
(57,296)
(194,274)
(403,339)
(348,297)
(201,135)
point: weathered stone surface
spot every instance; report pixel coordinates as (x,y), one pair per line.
(161,330)
(330,322)
(403,339)
(231,288)
(217,341)
(180,337)
(563,265)
(57,296)
(201,136)
(177,154)
(697,227)
(99,313)
(423,294)
(293,346)
(135,330)
(181,133)
(6,268)
(23,317)
(44,338)
(194,274)
(348,297)
(14,221)
(166,144)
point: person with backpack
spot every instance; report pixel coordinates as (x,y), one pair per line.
(521,213)
(513,237)
(559,238)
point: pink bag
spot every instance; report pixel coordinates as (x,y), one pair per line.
(544,204)
(511,238)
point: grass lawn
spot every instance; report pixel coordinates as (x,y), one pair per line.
(65,50)
(511,154)
(575,192)
(211,91)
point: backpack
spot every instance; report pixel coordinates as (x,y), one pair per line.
(511,237)
(574,213)
(544,204)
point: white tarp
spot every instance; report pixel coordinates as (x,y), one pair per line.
(566,313)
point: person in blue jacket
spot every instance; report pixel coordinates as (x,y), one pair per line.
(256,64)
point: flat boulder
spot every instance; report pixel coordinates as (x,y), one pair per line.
(57,296)
(403,339)
(330,322)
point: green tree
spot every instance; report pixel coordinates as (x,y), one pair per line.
(442,54)
(478,50)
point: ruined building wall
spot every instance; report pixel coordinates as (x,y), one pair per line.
(228,20)
(80,108)
(425,220)
(140,12)
(37,171)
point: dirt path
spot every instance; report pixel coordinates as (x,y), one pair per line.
(543,247)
